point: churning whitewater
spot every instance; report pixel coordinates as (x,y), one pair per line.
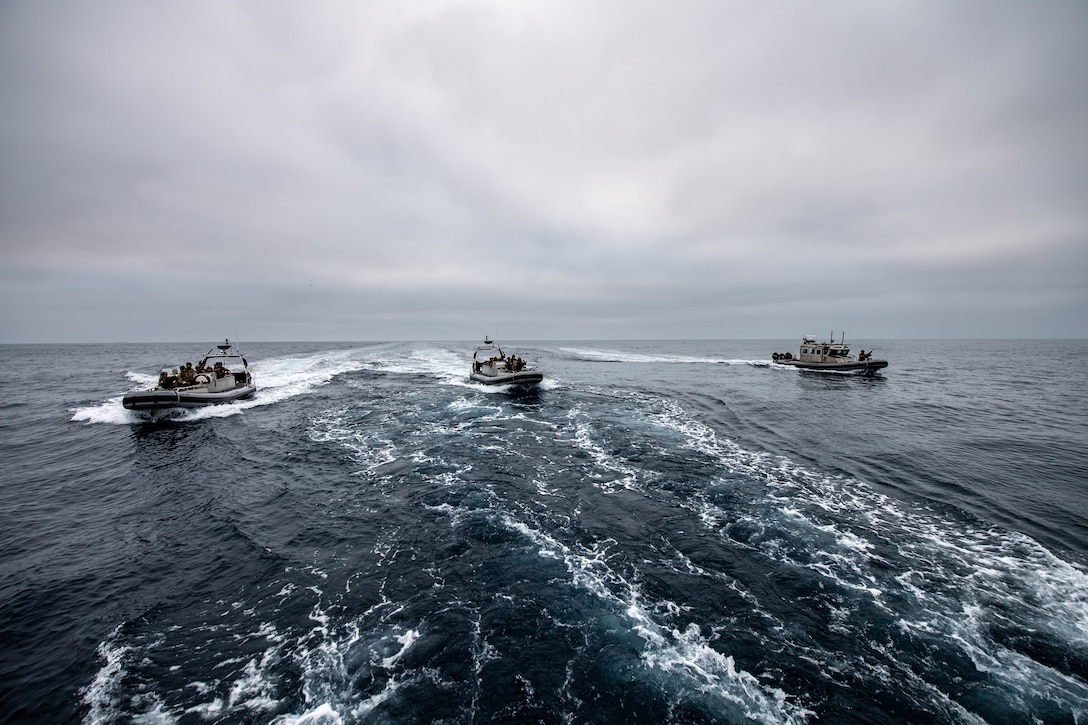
(662,532)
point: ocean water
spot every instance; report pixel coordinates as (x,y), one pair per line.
(667,532)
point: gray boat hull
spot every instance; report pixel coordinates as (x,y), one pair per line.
(867,366)
(525,379)
(162,399)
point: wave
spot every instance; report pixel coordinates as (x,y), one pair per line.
(947,583)
(684,654)
(902,579)
(848,589)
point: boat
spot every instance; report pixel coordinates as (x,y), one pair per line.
(830,356)
(491,366)
(221,376)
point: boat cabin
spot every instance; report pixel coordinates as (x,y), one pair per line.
(487,356)
(823,352)
(490,360)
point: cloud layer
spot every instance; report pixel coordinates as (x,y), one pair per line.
(438,170)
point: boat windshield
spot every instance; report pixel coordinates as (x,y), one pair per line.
(234,362)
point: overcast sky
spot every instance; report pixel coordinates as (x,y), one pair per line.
(188,171)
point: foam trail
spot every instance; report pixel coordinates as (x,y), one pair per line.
(954,585)
(278,379)
(449,368)
(99,695)
(613,356)
(686,655)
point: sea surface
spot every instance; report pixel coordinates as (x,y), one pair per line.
(666,532)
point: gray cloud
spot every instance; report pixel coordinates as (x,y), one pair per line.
(438,170)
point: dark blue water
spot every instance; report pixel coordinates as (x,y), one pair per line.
(667,532)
